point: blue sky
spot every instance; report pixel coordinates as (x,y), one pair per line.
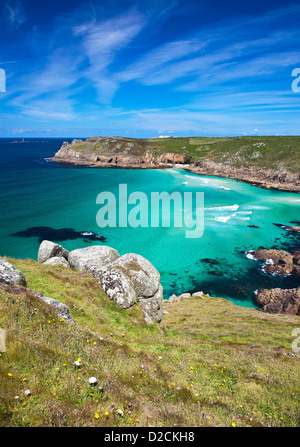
(149,68)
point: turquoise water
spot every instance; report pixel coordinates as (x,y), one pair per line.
(40,200)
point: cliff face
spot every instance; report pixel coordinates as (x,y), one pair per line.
(282,179)
(118,152)
(112,153)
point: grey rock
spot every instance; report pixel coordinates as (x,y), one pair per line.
(57,260)
(63,310)
(117,286)
(49,250)
(92,258)
(184,296)
(179,297)
(145,277)
(133,278)
(153,307)
(198,294)
(9,275)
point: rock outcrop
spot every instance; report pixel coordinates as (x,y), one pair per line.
(117,285)
(283,301)
(184,296)
(172,158)
(133,279)
(57,260)
(63,311)
(92,258)
(293,228)
(11,278)
(277,262)
(296,262)
(117,153)
(49,250)
(9,275)
(127,279)
(279,179)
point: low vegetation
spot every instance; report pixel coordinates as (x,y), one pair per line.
(269,152)
(210,363)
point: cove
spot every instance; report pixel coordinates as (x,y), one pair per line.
(40,198)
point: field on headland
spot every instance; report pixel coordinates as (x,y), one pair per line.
(268,161)
(210,363)
(269,152)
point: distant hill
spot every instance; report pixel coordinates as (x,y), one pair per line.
(266,161)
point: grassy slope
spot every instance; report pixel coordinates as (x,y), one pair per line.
(208,347)
(275,151)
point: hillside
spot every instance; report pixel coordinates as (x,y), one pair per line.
(209,363)
(269,161)
(270,152)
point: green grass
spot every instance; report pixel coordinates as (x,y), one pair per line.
(272,152)
(269,152)
(220,363)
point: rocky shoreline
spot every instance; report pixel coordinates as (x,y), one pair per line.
(67,154)
(278,263)
(281,180)
(263,178)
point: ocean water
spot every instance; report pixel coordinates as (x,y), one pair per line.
(40,199)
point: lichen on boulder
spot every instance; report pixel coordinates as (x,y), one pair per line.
(49,250)
(92,258)
(131,279)
(9,275)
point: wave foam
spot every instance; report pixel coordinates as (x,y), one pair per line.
(222,218)
(224,208)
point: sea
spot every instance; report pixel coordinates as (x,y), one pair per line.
(41,199)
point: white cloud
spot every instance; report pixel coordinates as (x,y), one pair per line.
(14,13)
(101,43)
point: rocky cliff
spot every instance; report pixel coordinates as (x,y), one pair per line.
(126,280)
(116,153)
(281,180)
(238,160)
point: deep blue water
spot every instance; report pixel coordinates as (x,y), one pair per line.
(40,199)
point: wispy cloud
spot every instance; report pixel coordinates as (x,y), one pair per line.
(14,13)
(101,43)
(135,70)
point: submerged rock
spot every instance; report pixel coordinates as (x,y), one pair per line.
(49,250)
(289,227)
(9,275)
(283,301)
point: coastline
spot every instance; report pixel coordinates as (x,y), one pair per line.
(262,178)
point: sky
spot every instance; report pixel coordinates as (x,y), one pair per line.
(144,69)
